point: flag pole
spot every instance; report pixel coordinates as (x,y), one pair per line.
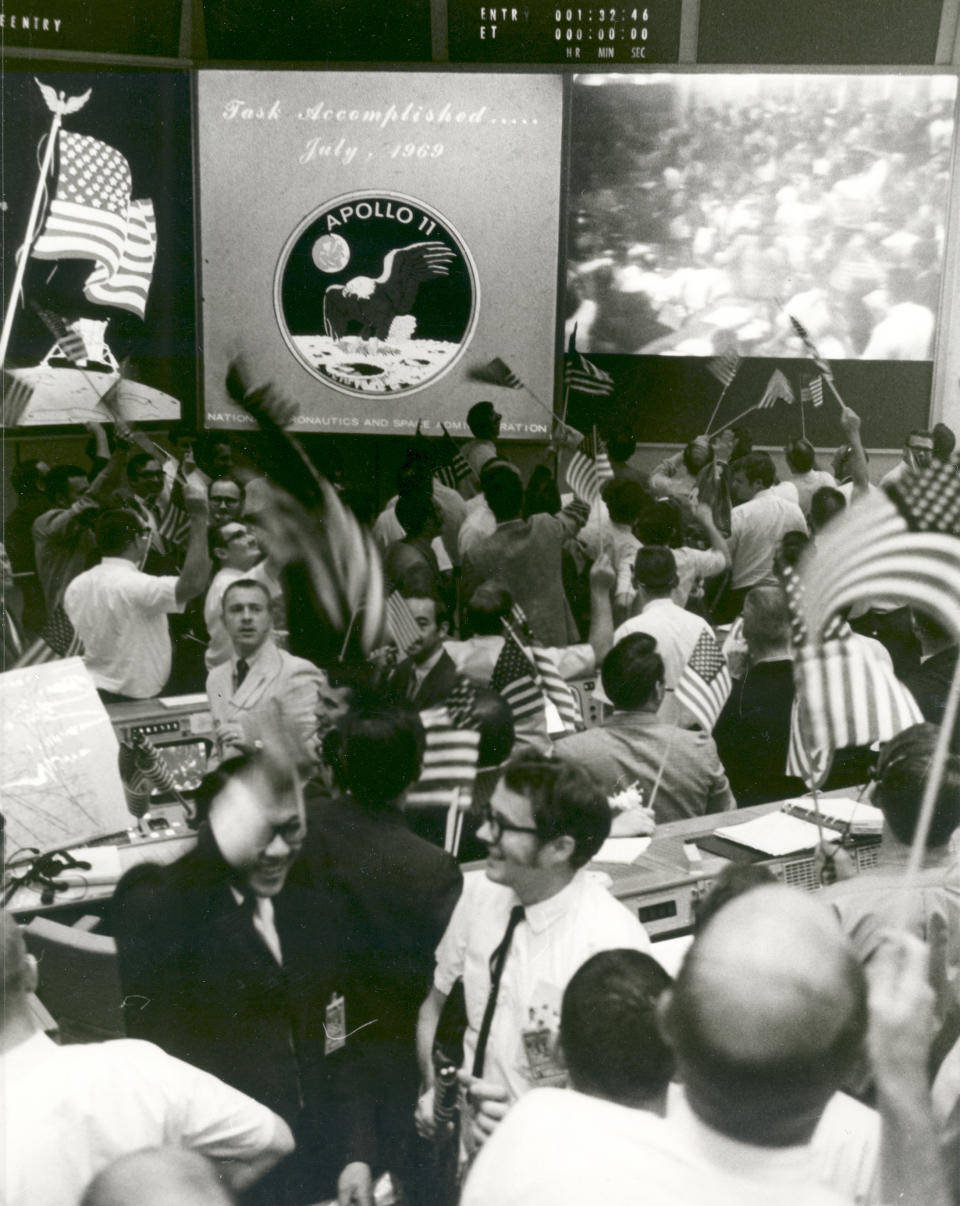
(932,787)
(660,769)
(723,394)
(24,253)
(803,420)
(742,415)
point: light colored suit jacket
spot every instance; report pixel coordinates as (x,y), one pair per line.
(275,681)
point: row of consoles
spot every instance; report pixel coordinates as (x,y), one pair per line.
(663,878)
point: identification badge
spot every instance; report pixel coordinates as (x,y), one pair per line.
(543,1065)
(334,1025)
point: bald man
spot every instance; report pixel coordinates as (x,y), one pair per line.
(69,1111)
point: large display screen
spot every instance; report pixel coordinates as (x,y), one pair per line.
(706,208)
(373,241)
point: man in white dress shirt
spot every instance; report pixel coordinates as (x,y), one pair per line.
(71,1110)
(120,613)
(518,933)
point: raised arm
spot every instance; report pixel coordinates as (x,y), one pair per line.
(196,564)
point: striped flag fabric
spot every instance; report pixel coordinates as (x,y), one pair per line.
(846,695)
(402,625)
(69,341)
(804,335)
(128,287)
(725,367)
(582,376)
(705,684)
(778,389)
(57,639)
(453,463)
(515,678)
(496,372)
(93,217)
(450,756)
(16,397)
(812,391)
(556,688)
(589,470)
(899,547)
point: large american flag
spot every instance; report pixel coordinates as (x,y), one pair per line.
(584,377)
(589,470)
(846,693)
(900,547)
(93,217)
(705,684)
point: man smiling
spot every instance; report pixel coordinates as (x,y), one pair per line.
(521,929)
(228,966)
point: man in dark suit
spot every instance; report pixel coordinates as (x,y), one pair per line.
(930,682)
(427,675)
(397,892)
(227,966)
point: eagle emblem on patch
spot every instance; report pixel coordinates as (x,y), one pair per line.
(376,293)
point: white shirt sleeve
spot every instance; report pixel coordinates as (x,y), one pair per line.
(452,951)
(155,595)
(207,1115)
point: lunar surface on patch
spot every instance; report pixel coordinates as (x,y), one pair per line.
(376,366)
(70,395)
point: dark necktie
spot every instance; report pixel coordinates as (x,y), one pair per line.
(243,668)
(497,963)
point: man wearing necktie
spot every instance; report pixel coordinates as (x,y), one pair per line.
(229,963)
(520,930)
(260,679)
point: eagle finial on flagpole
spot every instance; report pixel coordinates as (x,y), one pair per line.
(61,103)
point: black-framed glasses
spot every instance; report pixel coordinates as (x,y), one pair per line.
(499,825)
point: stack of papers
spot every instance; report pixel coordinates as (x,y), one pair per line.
(776,834)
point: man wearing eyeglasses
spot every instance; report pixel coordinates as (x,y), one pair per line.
(520,930)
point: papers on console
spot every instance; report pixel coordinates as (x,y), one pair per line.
(776,834)
(621,850)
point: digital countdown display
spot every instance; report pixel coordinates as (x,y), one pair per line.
(540,32)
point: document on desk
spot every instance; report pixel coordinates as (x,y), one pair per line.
(776,834)
(621,850)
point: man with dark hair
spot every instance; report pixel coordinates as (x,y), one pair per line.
(917,454)
(675,630)
(621,446)
(259,680)
(619,1068)
(147,487)
(519,932)
(930,682)
(480,520)
(526,554)
(824,504)
(676,476)
(944,442)
(427,674)
(226,500)
(63,537)
(870,903)
(120,613)
(753,730)
(483,420)
(397,892)
(759,521)
(633,746)
(71,1110)
(801,460)
(235,553)
(233,964)
(413,554)
(416,477)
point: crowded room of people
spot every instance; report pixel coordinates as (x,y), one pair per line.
(480,591)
